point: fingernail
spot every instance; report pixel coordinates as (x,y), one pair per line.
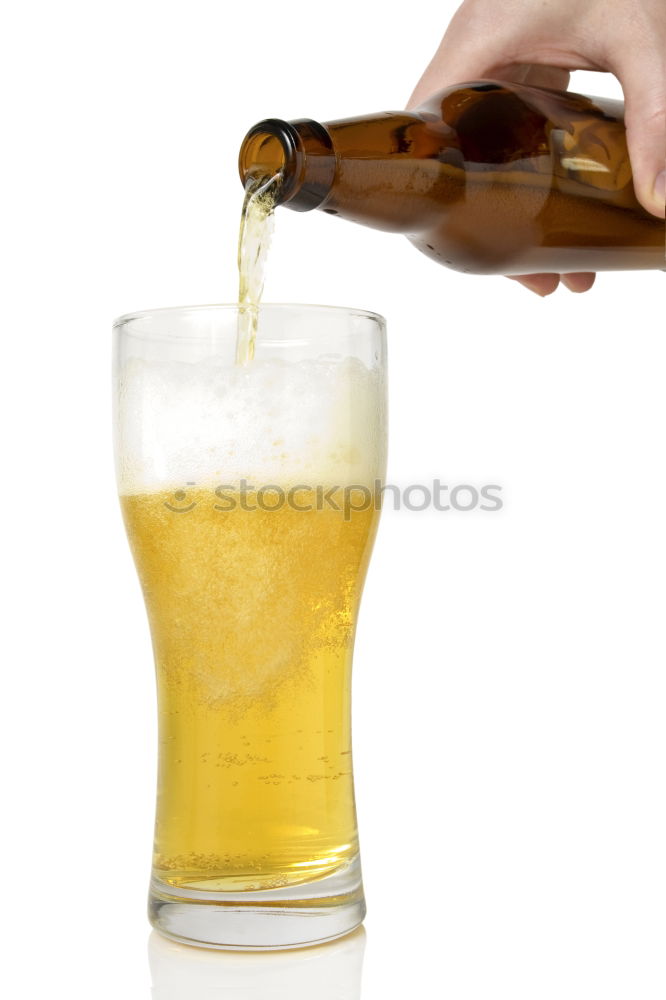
(660,187)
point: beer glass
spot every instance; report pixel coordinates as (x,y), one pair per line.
(251,494)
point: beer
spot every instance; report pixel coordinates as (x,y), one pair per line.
(256,229)
(252,614)
(487,178)
(250,494)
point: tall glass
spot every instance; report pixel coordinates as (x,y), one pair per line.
(250,495)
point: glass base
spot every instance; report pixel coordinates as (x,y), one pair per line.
(306,914)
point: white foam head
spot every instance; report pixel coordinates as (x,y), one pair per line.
(311,422)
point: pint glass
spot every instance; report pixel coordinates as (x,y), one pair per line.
(251,495)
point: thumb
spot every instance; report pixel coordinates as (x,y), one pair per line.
(645,116)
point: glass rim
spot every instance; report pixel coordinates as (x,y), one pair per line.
(234,306)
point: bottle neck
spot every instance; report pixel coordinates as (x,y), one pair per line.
(301,151)
(382,170)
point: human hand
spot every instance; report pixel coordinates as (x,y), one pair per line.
(539,42)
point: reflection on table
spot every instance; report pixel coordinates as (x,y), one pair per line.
(327,972)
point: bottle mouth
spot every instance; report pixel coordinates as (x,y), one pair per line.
(271,147)
(301,151)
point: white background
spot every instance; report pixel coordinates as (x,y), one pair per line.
(509,678)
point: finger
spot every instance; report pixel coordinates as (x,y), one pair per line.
(439,73)
(644,86)
(527,73)
(467,51)
(478,46)
(580,282)
(544,76)
(540,284)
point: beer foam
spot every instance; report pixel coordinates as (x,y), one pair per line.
(311,422)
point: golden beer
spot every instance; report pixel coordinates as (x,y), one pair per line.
(252,614)
(250,493)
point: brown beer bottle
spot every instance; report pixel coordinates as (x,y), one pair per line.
(487,178)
